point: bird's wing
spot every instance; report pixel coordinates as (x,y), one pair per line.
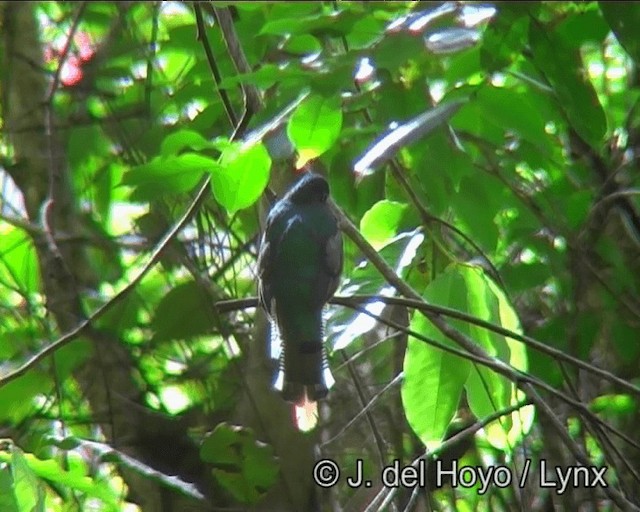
(275,230)
(264,271)
(333,262)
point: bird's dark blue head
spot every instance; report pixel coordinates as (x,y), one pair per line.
(310,188)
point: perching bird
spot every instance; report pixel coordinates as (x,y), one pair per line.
(299,269)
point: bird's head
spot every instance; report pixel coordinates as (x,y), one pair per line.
(310,188)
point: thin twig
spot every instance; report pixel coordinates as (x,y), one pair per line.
(85,325)
(202,36)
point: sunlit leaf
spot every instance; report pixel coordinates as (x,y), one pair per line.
(451,40)
(18,260)
(386,148)
(380,224)
(242,176)
(314,127)
(434,379)
(419,21)
(176,142)
(171,175)
(29,493)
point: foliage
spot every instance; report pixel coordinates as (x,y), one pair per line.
(489,307)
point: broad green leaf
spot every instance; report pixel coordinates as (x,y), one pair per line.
(523,276)
(432,386)
(336,23)
(434,380)
(244,466)
(175,63)
(268,75)
(625,341)
(577,207)
(28,491)
(439,167)
(18,260)
(588,26)
(20,393)
(365,32)
(302,44)
(505,38)
(614,405)
(381,223)
(31,467)
(624,20)
(516,112)
(7,498)
(242,176)
(176,142)
(171,175)
(562,66)
(186,300)
(104,186)
(476,205)
(487,391)
(314,127)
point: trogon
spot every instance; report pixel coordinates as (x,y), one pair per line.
(299,268)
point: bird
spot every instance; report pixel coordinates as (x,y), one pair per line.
(299,266)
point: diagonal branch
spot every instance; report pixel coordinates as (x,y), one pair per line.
(86,325)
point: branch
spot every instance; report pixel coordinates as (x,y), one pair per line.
(445,445)
(85,325)
(202,36)
(355,300)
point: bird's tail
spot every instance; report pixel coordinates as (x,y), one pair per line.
(303,378)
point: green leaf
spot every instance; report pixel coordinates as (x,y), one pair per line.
(314,127)
(625,340)
(175,63)
(18,260)
(434,379)
(242,176)
(176,142)
(517,112)
(7,498)
(614,405)
(561,64)
(584,27)
(624,20)
(29,467)
(244,466)
(439,167)
(186,300)
(20,393)
(335,23)
(303,44)
(28,491)
(475,204)
(487,391)
(171,175)
(505,38)
(381,222)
